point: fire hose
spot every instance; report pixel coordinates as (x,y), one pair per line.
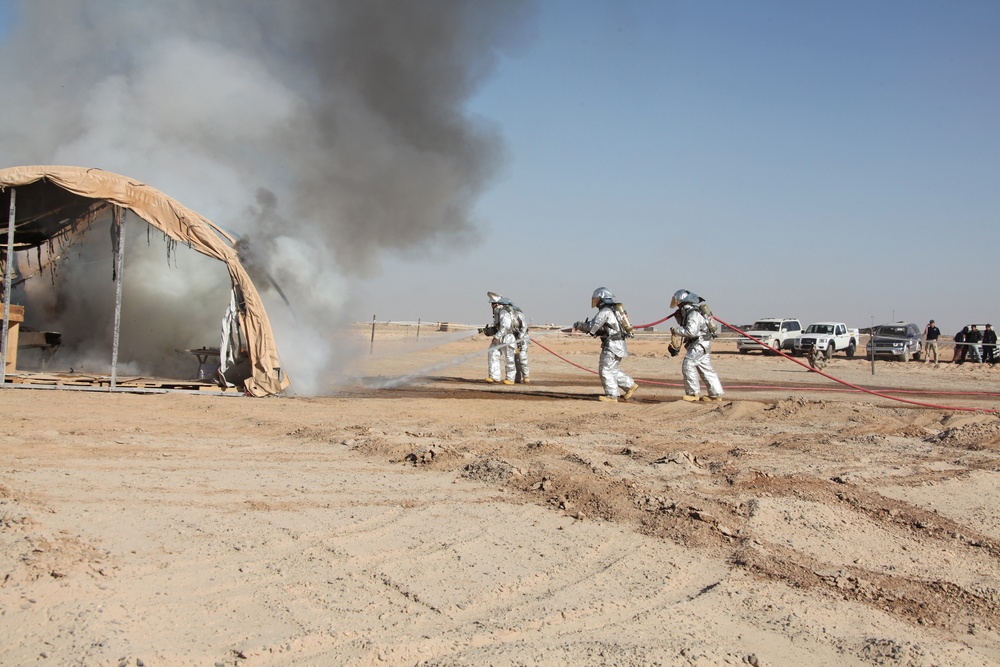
(853,387)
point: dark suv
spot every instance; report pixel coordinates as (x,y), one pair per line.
(901,340)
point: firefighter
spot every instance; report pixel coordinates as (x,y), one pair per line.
(611,325)
(696,330)
(502,344)
(521,371)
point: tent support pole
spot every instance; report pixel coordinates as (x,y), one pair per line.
(118,221)
(7,286)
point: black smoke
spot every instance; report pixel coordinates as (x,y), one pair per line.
(325,133)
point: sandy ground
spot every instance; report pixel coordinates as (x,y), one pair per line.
(422,517)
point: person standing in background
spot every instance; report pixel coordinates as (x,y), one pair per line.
(972,342)
(989,345)
(960,348)
(931,335)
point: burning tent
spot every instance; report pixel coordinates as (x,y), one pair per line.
(47,202)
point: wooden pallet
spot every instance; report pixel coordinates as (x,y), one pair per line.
(87,380)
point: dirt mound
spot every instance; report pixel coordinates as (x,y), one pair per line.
(975,436)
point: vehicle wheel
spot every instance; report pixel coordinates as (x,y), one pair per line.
(851,349)
(829,351)
(742,351)
(916,356)
(906,356)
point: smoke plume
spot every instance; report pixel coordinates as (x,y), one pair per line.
(324,133)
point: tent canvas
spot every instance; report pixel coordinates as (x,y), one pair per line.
(54,198)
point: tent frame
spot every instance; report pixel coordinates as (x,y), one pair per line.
(177,222)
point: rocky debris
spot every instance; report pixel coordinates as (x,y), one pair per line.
(880,651)
(430,454)
(490,470)
(314,434)
(423,457)
(544,485)
(681,458)
(655,504)
(975,437)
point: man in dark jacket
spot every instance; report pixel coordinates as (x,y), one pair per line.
(972,342)
(989,345)
(960,349)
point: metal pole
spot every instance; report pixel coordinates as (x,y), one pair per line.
(418,327)
(871,337)
(371,349)
(118,220)
(7,286)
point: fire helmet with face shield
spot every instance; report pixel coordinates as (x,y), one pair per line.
(683,296)
(602,296)
(493,297)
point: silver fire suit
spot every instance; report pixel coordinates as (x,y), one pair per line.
(521,353)
(613,349)
(502,344)
(697,362)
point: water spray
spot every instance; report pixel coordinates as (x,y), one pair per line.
(410,377)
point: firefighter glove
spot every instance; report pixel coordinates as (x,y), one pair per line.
(676,340)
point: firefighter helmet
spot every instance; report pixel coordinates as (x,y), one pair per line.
(602,296)
(683,296)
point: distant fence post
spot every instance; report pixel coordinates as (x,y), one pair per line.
(871,342)
(371,348)
(418,327)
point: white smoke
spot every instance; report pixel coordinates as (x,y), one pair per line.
(323,133)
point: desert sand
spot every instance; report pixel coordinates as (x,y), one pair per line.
(419,516)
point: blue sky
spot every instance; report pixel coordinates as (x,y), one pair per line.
(823,160)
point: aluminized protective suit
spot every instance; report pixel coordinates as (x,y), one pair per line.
(522,372)
(502,344)
(697,362)
(613,348)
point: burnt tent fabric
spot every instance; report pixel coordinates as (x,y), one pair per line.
(53,200)
(44,211)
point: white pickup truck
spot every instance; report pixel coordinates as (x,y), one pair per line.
(828,337)
(777,332)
